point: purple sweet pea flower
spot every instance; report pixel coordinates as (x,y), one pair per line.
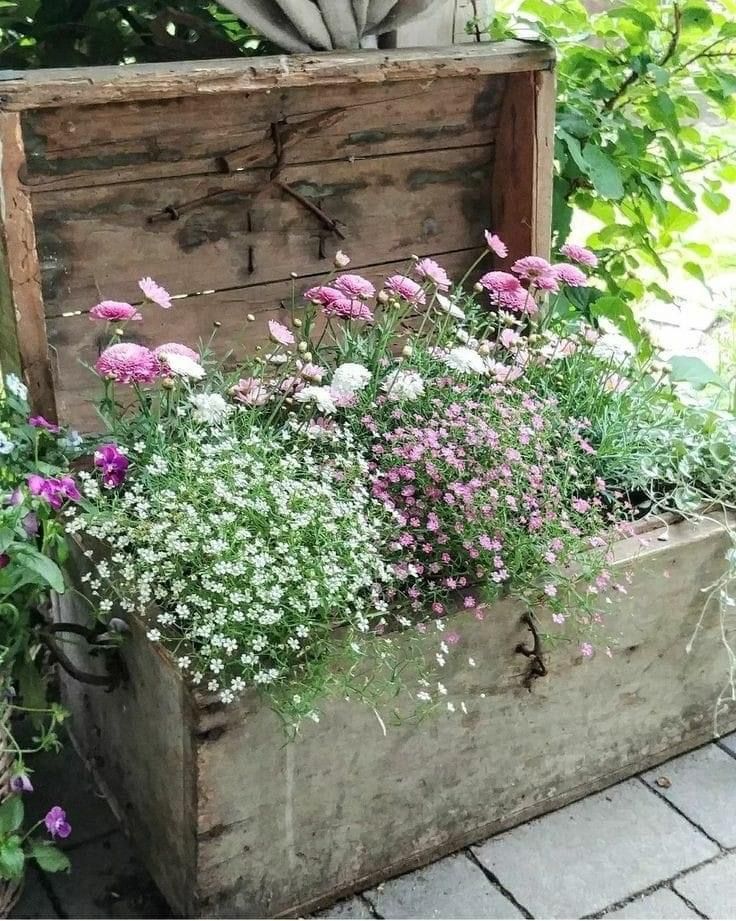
(52,490)
(4,560)
(56,823)
(113,464)
(39,422)
(21,783)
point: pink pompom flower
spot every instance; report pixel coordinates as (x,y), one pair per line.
(580,254)
(354,286)
(280,334)
(323,294)
(155,293)
(569,275)
(434,273)
(496,245)
(175,348)
(114,312)
(407,289)
(531,267)
(347,308)
(128,363)
(500,282)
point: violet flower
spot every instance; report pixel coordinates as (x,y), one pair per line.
(21,783)
(39,422)
(113,465)
(56,823)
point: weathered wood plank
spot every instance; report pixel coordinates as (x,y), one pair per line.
(73,146)
(522,174)
(76,341)
(243,230)
(23,345)
(92,85)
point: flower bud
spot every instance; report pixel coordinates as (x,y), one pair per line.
(168,383)
(303,346)
(407,351)
(119,331)
(341,260)
(477,287)
(250,318)
(307,356)
(382,297)
(484,348)
(297,322)
(216,324)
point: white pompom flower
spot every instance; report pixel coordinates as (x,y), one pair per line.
(351,378)
(465,360)
(403,385)
(183,366)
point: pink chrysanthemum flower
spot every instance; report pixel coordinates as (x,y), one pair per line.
(311,372)
(348,309)
(547,282)
(531,267)
(342,399)
(354,286)
(432,271)
(406,288)
(128,363)
(114,312)
(500,282)
(154,292)
(251,391)
(323,294)
(496,245)
(569,275)
(581,254)
(175,348)
(280,334)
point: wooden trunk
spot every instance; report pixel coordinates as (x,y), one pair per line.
(207,175)
(234,822)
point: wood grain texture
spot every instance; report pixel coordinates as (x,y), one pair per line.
(283,829)
(76,146)
(94,85)
(242,229)
(22,324)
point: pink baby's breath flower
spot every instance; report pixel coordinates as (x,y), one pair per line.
(433,272)
(406,288)
(550,590)
(580,254)
(496,245)
(280,333)
(128,363)
(114,312)
(469,601)
(452,639)
(155,293)
(586,650)
(558,618)
(531,267)
(569,275)
(354,286)
(581,506)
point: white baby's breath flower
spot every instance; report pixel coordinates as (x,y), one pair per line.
(209,408)
(465,360)
(403,385)
(16,386)
(351,377)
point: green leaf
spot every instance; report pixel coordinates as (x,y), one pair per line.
(717,202)
(694,269)
(619,313)
(603,172)
(42,566)
(48,857)
(11,815)
(12,858)
(691,370)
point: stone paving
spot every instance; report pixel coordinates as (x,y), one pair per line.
(660,845)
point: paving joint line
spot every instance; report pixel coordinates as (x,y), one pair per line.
(691,905)
(495,881)
(660,884)
(723,748)
(680,812)
(374,911)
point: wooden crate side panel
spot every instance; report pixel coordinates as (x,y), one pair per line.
(76,146)
(346,805)
(23,345)
(135,739)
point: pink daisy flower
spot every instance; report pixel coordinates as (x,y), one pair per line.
(432,271)
(251,391)
(496,245)
(569,275)
(128,363)
(407,289)
(531,267)
(114,312)
(354,286)
(280,333)
(311,372)
(154,292)
(175,348)
(580,254)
